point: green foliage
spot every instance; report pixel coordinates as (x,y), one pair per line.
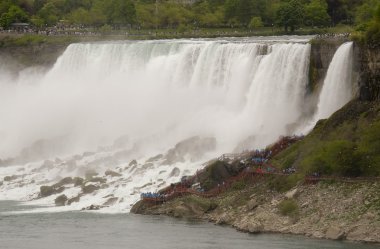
(239,185)
(347,144)
(255,22)
(373,32)
(237,14)
(316,14)
(290,14)
(13,14)
(289,207)
(284,183)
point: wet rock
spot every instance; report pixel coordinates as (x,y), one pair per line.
(64,181)
(111,201)
(50,190)
(155,158)
(61,200)
(335,233)
(10,178)
(92,207)
(78,181)
(97,179)
(88,189)
(74,199)
(175,172)
(112,173)
(193,148)
(132,163)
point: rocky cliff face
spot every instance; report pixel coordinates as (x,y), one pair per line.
(322,52)
(18,58)
(369,72)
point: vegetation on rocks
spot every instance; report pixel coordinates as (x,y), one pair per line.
(347,144)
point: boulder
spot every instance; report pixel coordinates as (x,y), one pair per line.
(50,190)
(133,163)
(193,148)
(88,189)
(175,172)
(92,207)
(110,201)
(78,181)
(61,200)
(112,173)
(74,199)
(335,233)
(64,181)
(10,178)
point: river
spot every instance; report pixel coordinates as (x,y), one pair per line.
(82,230)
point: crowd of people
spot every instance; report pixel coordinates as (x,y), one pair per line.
(333,35)
(151,195)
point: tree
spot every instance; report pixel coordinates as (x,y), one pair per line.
(49,13)
(373,32)
(290,14)
(121,12)
(255,22)
(316,14)
(80,16)
(14,14)
(365,12)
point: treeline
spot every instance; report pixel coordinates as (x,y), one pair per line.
(190,14)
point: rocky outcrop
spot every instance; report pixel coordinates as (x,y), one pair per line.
(50,190)
(61,200)
(321,54)
(193,148)
(112,173)
(333,211)
(369,72)
(88,189)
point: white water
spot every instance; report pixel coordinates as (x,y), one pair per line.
(337,88)
(155,93)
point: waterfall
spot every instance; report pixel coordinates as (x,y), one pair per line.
(337,88)
(154,111)
(161,91)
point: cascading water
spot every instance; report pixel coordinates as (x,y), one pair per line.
(139,99)
(337,88)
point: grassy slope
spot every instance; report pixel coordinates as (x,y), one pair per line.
(346,144)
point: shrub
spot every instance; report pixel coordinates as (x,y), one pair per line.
(288,207)
(239,185)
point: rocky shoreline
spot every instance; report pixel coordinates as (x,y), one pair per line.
(334,210)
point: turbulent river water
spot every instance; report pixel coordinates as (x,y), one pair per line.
(80,230)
